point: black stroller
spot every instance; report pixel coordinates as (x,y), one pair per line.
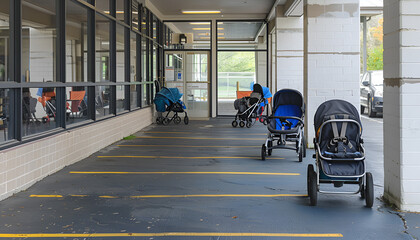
(339,152)
(286,124)
(249,107)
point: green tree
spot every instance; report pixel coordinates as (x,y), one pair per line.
(375,58)
(236,62)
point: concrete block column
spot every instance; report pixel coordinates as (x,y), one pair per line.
(331,54)
(289,32)
(402,103)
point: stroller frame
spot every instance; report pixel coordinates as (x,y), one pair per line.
(176,107)
(251,111)
(315,179)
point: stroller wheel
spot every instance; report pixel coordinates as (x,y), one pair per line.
(369,190)
(312,185)
(241,124)
(186,120)
(263,149)
(165,121)
(304,147)
(270,144)
(265,121)
(234,123)
(362,191)
(248,124)
(45,119)
(159,120)
(177,120)
(301,154)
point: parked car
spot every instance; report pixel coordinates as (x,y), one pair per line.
(371,92)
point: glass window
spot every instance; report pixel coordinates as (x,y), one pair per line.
(120,10)
(134,96)
(144,96)
(120,98)
(144,59)
(241,35)
(4,115)
(135,16)
(38,110)
(133,57)
(76,107)
(144,21)
(38,41)
(190,35)
(155,63)
(102,49)
(4,40)
(120,53)
(102,101)
(103,5)
(76,35)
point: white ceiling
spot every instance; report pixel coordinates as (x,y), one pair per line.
(250,9)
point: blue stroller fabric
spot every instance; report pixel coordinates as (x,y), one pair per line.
(287,110)
(167,97)
(266,93)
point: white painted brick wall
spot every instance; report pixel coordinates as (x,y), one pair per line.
(24,165)
(332,56)
(401,103)
(289,53)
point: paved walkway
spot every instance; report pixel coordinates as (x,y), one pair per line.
(200,181)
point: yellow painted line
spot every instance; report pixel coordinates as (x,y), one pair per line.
(108,197)
(46,196)
(78,195)
(234,133)
(170,157)
(190,196)
(227,173)
(167,234)
(188,146)
(202,138)
(220,195)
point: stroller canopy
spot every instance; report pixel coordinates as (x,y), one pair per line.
(333,107)
(288,97)
(165,97)
(265,90)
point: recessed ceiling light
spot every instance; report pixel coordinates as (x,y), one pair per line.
(204,29)
(202,12)
(200,23)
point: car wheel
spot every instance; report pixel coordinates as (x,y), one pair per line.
(371,113)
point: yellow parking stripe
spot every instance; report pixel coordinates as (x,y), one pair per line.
(46,196)
(232,173)
(170,157)
(188,146)
(202,138)
(167,234)
(234,133)
(185,196)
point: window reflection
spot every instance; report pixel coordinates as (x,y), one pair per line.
(102,101)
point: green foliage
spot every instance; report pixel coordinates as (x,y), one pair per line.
(131,137)
(236,62)
(375,58)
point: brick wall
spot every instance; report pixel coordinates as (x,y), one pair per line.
(24,165)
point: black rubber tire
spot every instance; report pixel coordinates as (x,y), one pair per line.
(304,146)
(265,121)
(241,124)
(234,123)
(159,120)
(45,120)
(263,151)
(369,193)
(165,121)
(312,186)
(300,154)
(362,191)
(362,109)
(186,120)
(248,124)
(269,151)
(371,113)
(177,120)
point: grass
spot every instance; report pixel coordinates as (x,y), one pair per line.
(131,137)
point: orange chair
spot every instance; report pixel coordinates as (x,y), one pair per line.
(76,97)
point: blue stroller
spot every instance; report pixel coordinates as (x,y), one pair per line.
(169,100)
(286,124)
(339,153)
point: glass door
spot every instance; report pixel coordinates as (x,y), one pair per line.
(189,72)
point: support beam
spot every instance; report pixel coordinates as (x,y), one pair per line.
(331,54)
(401,103)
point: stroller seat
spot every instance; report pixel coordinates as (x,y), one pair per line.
(289,126)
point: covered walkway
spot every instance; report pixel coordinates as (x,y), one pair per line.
(205,179)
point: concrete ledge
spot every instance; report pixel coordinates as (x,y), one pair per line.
(26,164)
